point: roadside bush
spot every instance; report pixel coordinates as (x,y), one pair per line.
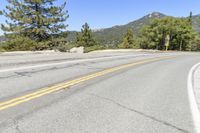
(195,46)
(136,45)
(65,47)
(2,49)
(19,44)
(22,43)
(93,48)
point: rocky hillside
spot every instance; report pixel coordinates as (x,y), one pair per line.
(114,34)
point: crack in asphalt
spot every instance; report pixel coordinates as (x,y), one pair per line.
(29,73)
(37,62)
(10,76)
(91,67)
(140,113)
(22,74)
(15,122)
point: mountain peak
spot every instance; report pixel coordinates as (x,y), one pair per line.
(155,15)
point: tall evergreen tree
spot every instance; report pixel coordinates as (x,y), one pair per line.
(85,38)
(35,20)
(128,40)
(190,18)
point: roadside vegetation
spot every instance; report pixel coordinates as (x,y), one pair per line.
(168,33)
(41,25)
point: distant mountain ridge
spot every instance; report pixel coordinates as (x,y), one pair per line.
(114,34)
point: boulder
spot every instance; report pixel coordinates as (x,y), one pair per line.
(78,50)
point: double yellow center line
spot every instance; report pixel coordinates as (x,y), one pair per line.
(44,91)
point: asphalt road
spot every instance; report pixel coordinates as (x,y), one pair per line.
(150,97)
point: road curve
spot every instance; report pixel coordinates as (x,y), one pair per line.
(147,98)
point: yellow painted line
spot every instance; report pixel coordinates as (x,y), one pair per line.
(64,85)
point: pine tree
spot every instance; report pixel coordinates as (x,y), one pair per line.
(85,38)
(190,18)
(37,20)
(128,40)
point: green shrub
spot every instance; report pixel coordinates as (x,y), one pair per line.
(93,48)
(195,46)
(19,44)
(2,49)
(65,47)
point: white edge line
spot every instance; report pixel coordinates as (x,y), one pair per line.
(66,62)
(193,103)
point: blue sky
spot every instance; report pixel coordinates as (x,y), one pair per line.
(107,13)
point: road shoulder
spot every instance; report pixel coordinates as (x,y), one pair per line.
(196,84)
(194,95)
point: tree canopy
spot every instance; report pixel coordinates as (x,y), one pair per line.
(179,30)
(39,21)
(85,37)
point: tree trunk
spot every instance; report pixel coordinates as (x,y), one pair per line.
(181,43)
